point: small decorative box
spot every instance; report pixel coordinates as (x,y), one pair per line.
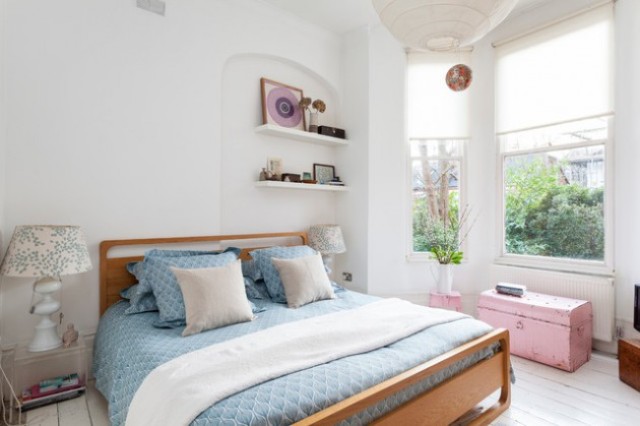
(331,131)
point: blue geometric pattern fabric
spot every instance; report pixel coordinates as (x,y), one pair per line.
(269,272)
(143,299)
(165,286)
(255,290)
(128,347)
(250,269)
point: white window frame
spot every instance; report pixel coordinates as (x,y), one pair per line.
(413,256)
(604,267)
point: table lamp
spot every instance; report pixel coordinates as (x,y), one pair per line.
(47,252)
(326,239)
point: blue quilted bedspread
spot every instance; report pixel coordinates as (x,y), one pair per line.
(128,347)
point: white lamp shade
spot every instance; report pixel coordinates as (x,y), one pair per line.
(441,25)
(326,239)
(46,251)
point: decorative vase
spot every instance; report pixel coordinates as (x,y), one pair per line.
(313,122)
(445,278)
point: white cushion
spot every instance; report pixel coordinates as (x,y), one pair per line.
(213,297)
(304,280)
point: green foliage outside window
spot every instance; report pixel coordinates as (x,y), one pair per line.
(547,216)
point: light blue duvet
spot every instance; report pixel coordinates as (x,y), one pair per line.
(128,347)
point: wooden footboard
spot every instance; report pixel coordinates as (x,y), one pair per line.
(440,405)
(444,403)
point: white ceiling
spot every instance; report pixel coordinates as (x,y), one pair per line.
(341,16)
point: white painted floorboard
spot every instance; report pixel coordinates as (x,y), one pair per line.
(542,396)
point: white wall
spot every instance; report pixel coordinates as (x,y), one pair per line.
(130,125)
(352,211)
(626,155)
(3,141)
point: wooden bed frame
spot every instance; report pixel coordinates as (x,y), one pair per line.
(441,405)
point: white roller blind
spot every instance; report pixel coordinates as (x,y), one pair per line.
(562,72)
(434,109)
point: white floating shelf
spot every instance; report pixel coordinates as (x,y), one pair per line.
(299,135)
(305,186)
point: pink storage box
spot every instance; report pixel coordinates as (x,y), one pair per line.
(549,329)
(451,301)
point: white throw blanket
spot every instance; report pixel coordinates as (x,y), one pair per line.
(176,392)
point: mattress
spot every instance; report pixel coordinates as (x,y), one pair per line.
(128,347)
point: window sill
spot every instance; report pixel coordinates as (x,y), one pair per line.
(560,265)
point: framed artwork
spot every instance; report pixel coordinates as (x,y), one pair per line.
(274,165)
(323,173)
(280,105)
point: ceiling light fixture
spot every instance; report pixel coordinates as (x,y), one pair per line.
(441,25)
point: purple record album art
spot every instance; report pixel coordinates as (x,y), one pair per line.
(282,105)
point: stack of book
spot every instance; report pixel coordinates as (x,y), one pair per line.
(511,289)
(52,390)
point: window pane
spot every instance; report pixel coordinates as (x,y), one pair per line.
(580,131)
(436,199)
(554,203)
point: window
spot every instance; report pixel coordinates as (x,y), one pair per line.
(554,125)
(438,131)
(435,177)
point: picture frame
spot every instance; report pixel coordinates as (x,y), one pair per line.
(274,165)
(306,175)
(323,173)
(280,105)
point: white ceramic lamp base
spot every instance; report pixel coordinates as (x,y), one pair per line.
(46,332)
(46,336)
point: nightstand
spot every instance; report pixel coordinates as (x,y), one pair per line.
(451,301)
(29,368)
(629,362)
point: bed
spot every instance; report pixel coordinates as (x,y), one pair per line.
(436,376)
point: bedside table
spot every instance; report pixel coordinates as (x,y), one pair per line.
(451,301)
(629,362)
(29,368)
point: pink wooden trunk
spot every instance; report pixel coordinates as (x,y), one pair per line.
(549,329)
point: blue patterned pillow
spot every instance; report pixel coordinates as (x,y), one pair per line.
(250,269)
(269,272)
(165,286)
(143,299)
(128,292)
(255,289)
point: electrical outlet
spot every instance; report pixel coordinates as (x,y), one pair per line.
(347,276)
(155,6)
(619,331)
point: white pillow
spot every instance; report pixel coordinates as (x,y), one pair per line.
(304,280)
(213,297)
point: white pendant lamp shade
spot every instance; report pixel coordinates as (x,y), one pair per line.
(441,25)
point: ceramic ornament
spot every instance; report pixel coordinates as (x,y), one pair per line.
(459,77)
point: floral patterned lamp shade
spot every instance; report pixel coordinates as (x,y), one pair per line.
(441,25)
(46,252)
(326,239)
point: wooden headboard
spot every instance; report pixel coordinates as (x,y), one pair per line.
(114,276)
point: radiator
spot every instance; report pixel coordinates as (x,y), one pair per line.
(598,290)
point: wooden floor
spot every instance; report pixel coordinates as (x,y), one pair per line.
(542,395)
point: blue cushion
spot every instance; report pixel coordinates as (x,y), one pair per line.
(128,292)
(269,272)
(255,289)
(250,269)
(165,286)
(143,299)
